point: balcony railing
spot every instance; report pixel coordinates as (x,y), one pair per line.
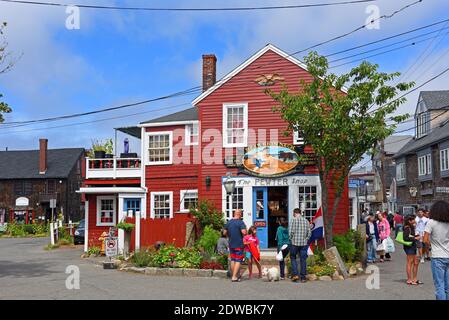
(113,168)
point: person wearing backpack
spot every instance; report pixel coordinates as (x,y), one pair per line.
(410,239)
(436,233)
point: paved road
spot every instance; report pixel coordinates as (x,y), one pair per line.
(29,272)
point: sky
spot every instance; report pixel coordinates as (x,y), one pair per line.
(119,57)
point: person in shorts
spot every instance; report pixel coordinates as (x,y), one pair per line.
(235,229)
(410,235)
(421,222)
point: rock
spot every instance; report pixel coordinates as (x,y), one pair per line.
(204,273)
(178,272)
(336,276)
(334,259)
(151,271)
(191,272)
(83,256)
(359,265)
(220,274)
(325,278)
(352,271)
(162,271)
(136,270)
(360,270)
(311,277)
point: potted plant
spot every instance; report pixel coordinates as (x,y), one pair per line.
(98,149)
(109,149)
(127,228)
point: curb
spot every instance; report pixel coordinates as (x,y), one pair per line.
(178,272)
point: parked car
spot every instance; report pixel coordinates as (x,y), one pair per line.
(79,233)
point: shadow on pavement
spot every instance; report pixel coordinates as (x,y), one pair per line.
(24,269)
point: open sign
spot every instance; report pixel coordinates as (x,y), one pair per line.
(260,224)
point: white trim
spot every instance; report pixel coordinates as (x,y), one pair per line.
(158,133)
(111,190)
(425,165)
(225,125)
(187,134)
(114,213)
(398,171)
(444,158)
(168,123)
(181,197)
(86,225)
(246,63)
(152,194)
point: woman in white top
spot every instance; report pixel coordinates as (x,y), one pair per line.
(436,233)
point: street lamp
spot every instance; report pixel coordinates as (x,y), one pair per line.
(229,185)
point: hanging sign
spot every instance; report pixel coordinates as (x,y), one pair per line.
(270,160)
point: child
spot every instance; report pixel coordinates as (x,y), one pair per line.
(282,238)
(252,250)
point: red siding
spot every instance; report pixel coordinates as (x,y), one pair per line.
(243,88)
(94,230)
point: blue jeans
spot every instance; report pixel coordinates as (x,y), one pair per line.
(440,273)
(302,252)
(282,263)
(371,246)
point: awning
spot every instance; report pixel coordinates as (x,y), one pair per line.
(132,131)
(111,190)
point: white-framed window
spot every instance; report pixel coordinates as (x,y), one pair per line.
(106,211)
(351,213)
(189,200)
(236,202)
(235,125)
(425,165)
(422,124)
(400,171)
(192,134)
(308,201)
(444,159)
(162,205)
(159,148)
(298,139)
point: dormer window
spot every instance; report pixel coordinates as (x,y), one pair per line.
(422,124)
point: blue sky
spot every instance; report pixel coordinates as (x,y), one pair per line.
(120,57)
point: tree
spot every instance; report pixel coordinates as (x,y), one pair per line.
(5,65)
(340,127)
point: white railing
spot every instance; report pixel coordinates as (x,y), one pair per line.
(113,168)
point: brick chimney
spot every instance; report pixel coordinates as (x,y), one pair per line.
(209,70)
(43,143)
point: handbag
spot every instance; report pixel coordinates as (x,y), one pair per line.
(389,245)
(381,246)
(400,239)
(279,256)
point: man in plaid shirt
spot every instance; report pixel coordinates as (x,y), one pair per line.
(300,233)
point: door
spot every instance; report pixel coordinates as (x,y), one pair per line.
(260,215)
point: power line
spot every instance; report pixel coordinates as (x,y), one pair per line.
(197,88)
(155,9)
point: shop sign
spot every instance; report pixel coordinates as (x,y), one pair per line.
(260,224)
(426,192)
(270,160)
(277,182)
(22,202)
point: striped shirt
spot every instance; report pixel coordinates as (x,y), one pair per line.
(300,231)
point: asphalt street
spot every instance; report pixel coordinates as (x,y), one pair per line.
(27,271)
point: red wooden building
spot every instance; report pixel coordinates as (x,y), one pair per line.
(231,133)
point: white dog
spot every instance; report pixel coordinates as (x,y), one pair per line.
(271,274)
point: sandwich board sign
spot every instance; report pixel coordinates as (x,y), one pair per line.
(111,246)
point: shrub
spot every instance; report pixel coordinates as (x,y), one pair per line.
(214,265)
(323,269)
(94,251)
(348,245)
(208,240)
(207,215)
(142,258)
(127,227)
(16,229)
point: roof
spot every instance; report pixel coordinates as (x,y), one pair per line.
(25,164)
(438,134)
(226,78)
(190,114)
(394,143)
(132,131)
(435,100)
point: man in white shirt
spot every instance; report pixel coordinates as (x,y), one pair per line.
(421,222)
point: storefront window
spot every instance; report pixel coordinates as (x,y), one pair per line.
(260,212)
(308,201)
(237,202)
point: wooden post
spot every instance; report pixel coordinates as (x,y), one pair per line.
(361,228)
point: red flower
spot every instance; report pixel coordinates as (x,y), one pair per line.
(172,254)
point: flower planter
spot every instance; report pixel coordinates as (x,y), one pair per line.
(99,154)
